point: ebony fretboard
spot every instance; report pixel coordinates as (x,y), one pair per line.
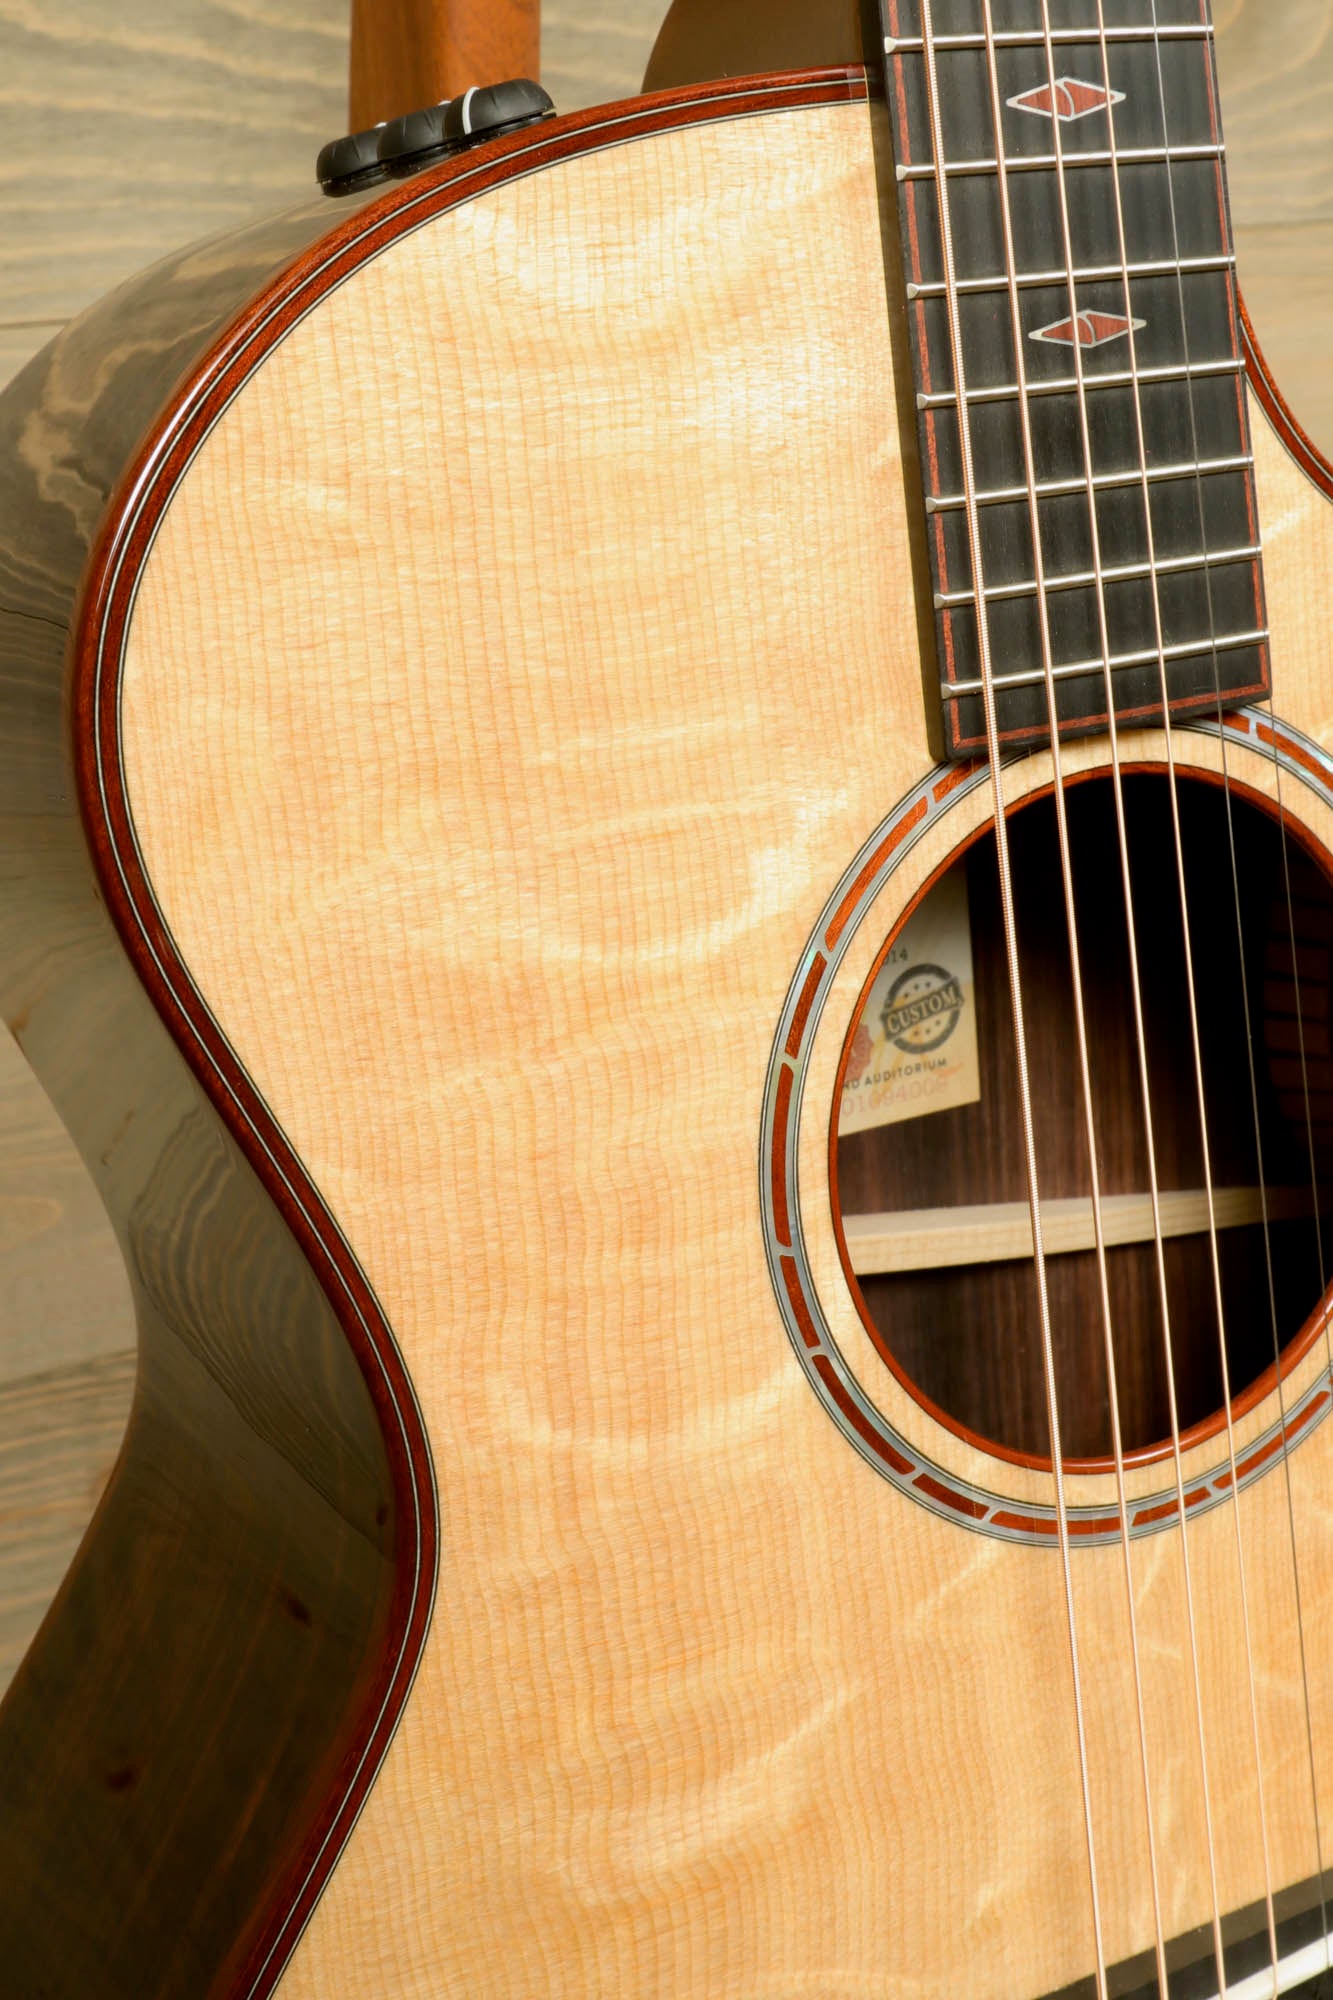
(1145,577)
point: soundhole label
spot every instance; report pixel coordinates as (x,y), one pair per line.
(915,1048)
(922,1010)
(1215,1274)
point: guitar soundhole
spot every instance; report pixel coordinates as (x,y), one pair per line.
(961,1326)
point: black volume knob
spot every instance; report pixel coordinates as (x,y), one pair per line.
(422,137)
(406,145)
(499,108)
(414,141)
(345,165)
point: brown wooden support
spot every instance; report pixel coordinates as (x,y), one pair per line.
(407,53)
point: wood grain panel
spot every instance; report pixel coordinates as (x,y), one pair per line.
(131,131)
(1276,67)
(59,1436)
(66,1357)
(65,1297)
(19,343)
(1286,277)
(594,51)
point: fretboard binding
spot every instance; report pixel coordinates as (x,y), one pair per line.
(1124,156)
(1067,385)
(1087,579)
(1022,38)
(1050,488)
(1092,274)
(1118,663)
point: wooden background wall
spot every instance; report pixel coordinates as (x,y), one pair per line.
(131,130)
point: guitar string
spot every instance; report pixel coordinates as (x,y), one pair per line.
(1323,1310)
(1136,984)
(1296,974)
(1015,979)
(1325,1315)
(1321,1265)
(1307,1704)
(1209,57)
(1076,975)
(1187,944)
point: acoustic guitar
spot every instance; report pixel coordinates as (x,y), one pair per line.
(667,790)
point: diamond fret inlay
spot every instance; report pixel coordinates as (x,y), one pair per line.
(1074,98)
(1094,329)
(1076,349)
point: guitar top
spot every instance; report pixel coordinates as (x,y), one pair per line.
(667,798)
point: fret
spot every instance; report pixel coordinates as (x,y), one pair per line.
(1096,274)
(1118,663)
(1022,38)
(1087,579)
(1065,385)
(1102,482)
(1027,163)
(1116,244)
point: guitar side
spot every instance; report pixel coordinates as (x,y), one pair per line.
(477,840)
(219,1655)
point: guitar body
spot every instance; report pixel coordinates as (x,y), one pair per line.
(491,766)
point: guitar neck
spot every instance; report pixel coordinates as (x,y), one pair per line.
(1070,275)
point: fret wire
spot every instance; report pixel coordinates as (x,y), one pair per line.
(1065,385)
(1133,156)
(1094,274)
(1187,649)
(1102,481)
(1085,579)
(1022,38)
